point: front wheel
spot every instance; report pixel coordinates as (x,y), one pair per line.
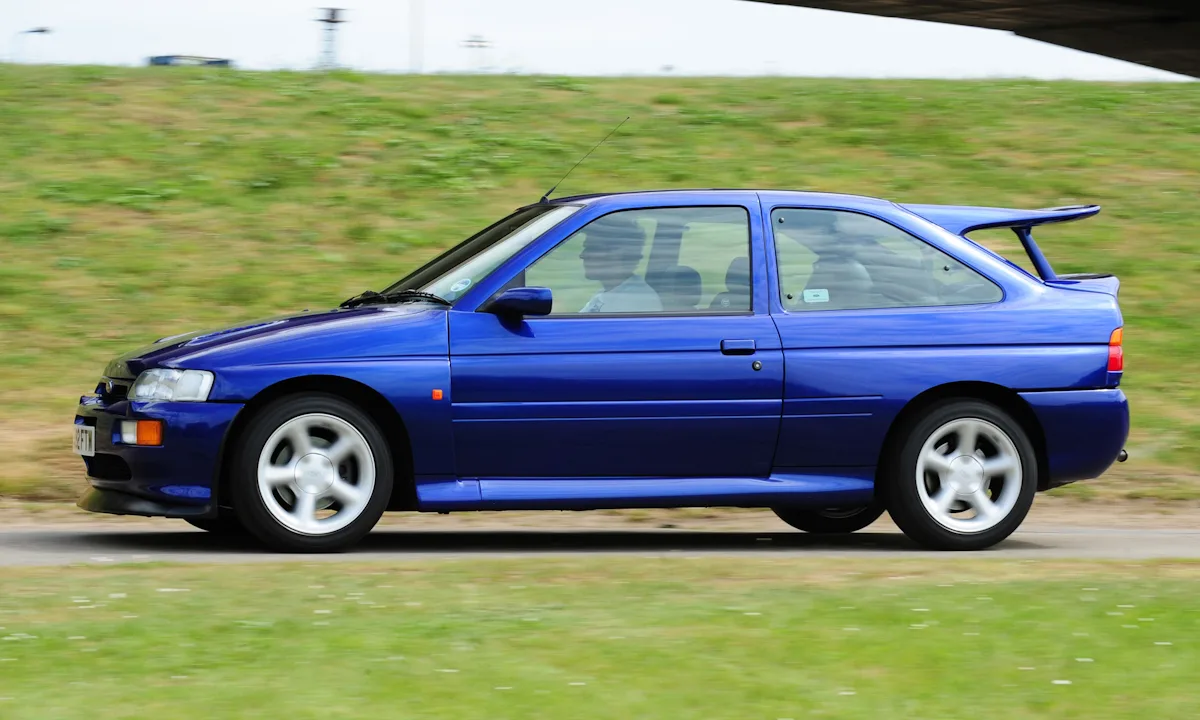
(313,473)
(830,521)
(964,477)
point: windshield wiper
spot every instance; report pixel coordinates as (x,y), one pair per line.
(410,294)
(370,297)
(366,296)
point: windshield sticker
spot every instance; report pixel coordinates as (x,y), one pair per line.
(460,285)
(816,296)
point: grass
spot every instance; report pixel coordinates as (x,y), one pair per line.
(137,203)
(1161,485)
(603,638)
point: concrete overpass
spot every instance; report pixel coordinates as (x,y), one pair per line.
(1160,33)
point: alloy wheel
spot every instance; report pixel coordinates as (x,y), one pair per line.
(968,475)
(316,474)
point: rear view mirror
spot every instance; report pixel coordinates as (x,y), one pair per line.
(521,302)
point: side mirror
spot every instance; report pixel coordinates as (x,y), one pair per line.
(521,302)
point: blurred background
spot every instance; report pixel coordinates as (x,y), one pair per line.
(306,160)
(569,37)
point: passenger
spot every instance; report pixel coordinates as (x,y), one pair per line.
(612,250)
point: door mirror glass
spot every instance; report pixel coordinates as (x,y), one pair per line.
(521,302)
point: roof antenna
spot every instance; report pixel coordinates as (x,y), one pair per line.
(585,157)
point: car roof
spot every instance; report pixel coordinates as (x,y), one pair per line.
(958,219)
(840,200)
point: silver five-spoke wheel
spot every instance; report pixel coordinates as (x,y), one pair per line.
(316,474)
(311,472)
(962,474)
(968,475)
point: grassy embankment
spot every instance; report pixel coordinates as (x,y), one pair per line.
(140,203)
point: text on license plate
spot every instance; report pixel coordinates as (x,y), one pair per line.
(85,440)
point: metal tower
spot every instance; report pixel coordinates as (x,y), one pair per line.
(331,19)
(479,45)
(416,37)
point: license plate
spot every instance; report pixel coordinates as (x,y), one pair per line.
(85,440)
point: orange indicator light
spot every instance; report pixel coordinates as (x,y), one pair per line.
(149,432)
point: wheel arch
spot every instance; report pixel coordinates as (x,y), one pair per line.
(404,495)
(1004,398)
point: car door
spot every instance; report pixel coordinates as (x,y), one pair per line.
(869,315)
(659,360)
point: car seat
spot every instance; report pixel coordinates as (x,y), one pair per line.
(839,281)
(678,286)
(737,287)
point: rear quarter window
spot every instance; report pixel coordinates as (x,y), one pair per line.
(840,260)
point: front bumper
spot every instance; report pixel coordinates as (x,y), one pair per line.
(1085,431)
(176,479)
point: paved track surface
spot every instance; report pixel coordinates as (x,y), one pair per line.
(66,545)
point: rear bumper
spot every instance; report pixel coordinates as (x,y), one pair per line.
(1085,431)
(176,479)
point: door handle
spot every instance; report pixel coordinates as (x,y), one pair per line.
(737,347)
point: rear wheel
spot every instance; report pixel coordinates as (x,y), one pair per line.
(964,477)
(830,521)
(313,473)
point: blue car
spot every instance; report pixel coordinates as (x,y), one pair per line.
(826,356)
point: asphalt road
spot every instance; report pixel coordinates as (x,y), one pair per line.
(66,545)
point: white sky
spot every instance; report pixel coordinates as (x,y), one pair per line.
(576,37)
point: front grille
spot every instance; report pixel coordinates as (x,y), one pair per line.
(113,390)
(107,467)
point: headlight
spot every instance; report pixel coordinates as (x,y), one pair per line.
(176,385)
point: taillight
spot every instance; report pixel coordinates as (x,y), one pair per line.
(1116,355)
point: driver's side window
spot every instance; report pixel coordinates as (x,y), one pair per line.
(650,260)
(600,268)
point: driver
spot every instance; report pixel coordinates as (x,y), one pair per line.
(612,250)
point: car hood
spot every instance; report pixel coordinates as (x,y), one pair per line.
(371,331)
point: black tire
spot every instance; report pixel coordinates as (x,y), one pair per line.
(830,521)
(905,504)
(222,526)
(250,506)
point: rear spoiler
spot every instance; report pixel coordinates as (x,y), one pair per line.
(962,220)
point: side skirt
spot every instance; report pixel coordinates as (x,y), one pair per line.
(822,487)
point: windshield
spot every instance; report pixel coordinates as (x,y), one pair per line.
(454,272)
